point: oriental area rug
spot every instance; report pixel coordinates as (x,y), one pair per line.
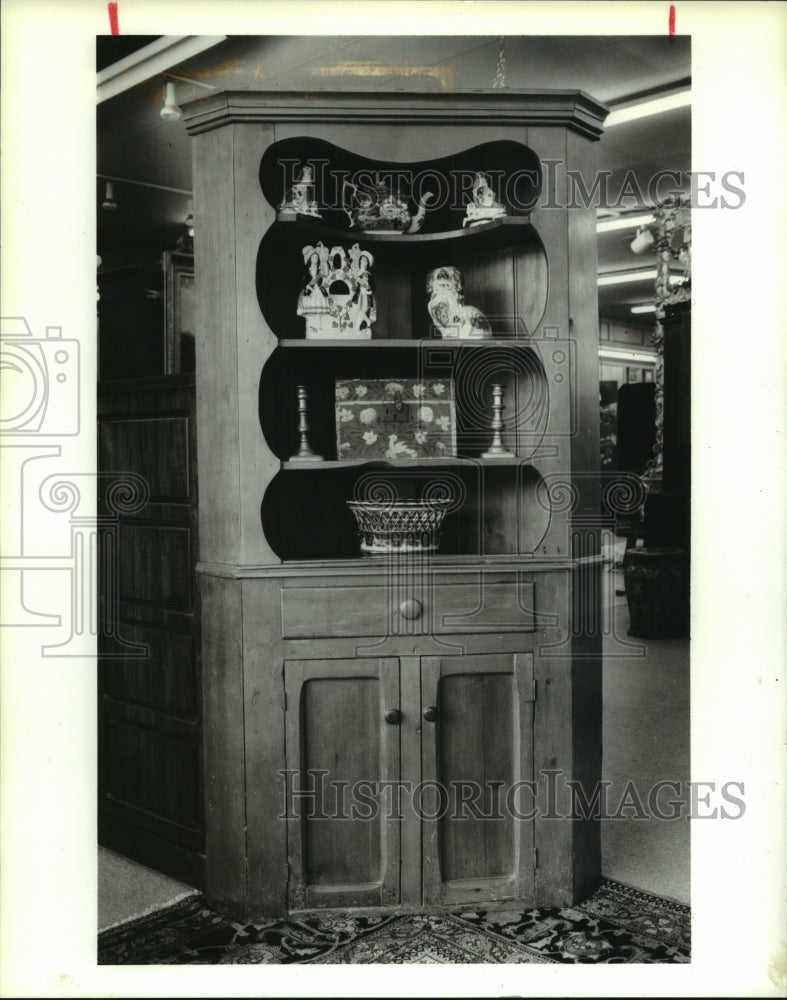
(615,925)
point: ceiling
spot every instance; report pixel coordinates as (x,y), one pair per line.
(135,144)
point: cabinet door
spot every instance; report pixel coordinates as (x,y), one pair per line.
(477,740)
(343,843)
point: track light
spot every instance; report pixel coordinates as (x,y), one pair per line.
(109,204)
(170,112)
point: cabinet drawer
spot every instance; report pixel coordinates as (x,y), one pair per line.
(309,612)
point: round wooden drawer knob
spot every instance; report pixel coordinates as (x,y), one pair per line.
(410,609)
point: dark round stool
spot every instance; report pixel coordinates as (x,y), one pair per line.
(657,591)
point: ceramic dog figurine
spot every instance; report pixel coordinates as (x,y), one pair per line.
(454,319)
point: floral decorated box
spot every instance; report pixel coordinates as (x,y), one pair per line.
(395,419)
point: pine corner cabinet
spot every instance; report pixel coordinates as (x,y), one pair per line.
(408,729)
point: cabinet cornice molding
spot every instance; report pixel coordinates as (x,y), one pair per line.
(572,109)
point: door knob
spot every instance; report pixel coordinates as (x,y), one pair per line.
(393,716)
(410,609)
(430,714)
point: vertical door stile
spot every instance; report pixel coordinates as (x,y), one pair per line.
(293,683)
(390,739)
(430,680)
(410,773)
(525,688)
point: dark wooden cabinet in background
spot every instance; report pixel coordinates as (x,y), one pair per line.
(668,510)
(150,773)
(131,323)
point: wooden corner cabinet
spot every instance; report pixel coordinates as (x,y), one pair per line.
(406,729)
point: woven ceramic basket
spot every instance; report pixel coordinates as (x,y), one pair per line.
(399,526)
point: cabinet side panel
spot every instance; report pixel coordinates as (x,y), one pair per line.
(216,349)
(583,310)
(225,793)
(553,745)
(586,714)
(586,608)
(253,215)
(265,749)
(551,338)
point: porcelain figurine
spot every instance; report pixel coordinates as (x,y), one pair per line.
(314,302)
(337,297)
(299,200)
(483,206)
(452,317)
(377,210)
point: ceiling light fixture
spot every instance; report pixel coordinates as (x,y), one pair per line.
(644,109)
(643,309)
(109,204)
(630,222)
(171,112)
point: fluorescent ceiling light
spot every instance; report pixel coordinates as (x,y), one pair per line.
(629,222)
(643,309)
(626,277)
(609,354)
(655,106)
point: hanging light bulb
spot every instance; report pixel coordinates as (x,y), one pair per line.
(109,204)
(170,112)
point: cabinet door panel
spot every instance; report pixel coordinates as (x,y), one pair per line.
(477,749)
(343,844)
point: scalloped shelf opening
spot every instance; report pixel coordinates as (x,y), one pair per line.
(517,367)
(512,169)
(514,306)
(305,515)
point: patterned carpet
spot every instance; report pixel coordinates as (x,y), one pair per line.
(614,925)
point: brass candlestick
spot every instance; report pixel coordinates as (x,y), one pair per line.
(496,449)
(304,452)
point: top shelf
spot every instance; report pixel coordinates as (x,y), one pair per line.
(511,231)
